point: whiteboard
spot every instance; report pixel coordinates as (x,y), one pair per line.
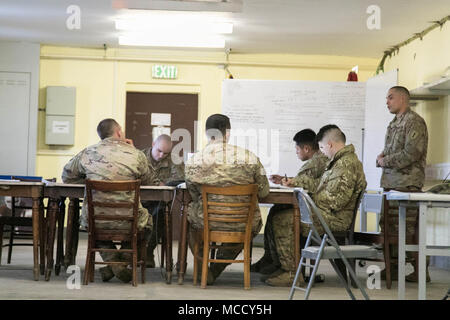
(376,122)
(266,114)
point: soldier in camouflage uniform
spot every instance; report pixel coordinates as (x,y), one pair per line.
(162,171)
(222,164)
(113,158)
(404,157)
(336,196)
(307,150)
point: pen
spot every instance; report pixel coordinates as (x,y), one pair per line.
(285,175)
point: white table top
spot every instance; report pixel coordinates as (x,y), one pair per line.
(17,182)
(417,196)
(71,185)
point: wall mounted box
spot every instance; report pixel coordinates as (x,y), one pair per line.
(60,115)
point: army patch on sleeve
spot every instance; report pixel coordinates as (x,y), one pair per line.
(413,135)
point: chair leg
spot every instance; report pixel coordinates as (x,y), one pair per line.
(92,269)
(87,267)
(134,263)
(205,264)
(299,269)
(143,258)
(11,241)
(247,261)
(388,264)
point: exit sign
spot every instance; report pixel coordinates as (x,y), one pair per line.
(164,72)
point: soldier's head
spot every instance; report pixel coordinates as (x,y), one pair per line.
(397,100)
(110,128)
(305,144)
(331,139)
(218,127)
(161,147)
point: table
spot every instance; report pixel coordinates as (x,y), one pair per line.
(60,191)
(276,196)
(32,190)
(423,201)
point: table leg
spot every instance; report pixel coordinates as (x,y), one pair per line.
(42,236)
(69,229)
(51,227)
(182,247)
(168,232)
(35,219)
(401,251)
(59,243)
(422,249)
(296,231)
(75,230)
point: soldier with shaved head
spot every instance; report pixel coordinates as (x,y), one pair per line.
(162,171)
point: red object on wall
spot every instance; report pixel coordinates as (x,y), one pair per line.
(352,76)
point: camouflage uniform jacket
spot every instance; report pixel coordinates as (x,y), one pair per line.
(309,175)
(405,152)
(164,170)
(222,164)
(110,159)
(339,188)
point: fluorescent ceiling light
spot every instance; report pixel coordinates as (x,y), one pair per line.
(174,25)
(171,41)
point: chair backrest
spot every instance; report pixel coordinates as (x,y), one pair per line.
(311,209)
(373,202)
(120,200)
(238,205)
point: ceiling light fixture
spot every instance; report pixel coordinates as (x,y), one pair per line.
(137,39)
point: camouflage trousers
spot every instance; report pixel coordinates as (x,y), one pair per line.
(280,235)
(123,256)
(227,251)
(156,210)
(411,222)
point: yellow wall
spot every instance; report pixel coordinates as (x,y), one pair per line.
(424,61)
(102,78)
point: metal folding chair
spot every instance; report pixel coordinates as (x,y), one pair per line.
(326,248)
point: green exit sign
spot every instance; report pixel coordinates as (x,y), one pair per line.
(164,72)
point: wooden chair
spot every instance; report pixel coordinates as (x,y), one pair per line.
(228,212)
(385,238)
(97,233)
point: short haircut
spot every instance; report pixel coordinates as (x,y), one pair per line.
(402,90)
(331,131)
(106,128)
(306,137)
(163,137)
(217,123)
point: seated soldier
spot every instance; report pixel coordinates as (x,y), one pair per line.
(113,158)
(162,171)
(309,174)
(336,196)
(209,166)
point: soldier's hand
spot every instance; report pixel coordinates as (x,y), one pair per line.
(275,178)
(287,183)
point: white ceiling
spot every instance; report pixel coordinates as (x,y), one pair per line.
(329,27)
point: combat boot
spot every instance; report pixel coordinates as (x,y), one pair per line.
(106,273)
(286,279)
(262,263)
(122,273)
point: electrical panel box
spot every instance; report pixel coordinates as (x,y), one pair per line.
(60,115)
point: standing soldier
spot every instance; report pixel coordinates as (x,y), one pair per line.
(113,158)
(162,171)
(222,164)
(404,157)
